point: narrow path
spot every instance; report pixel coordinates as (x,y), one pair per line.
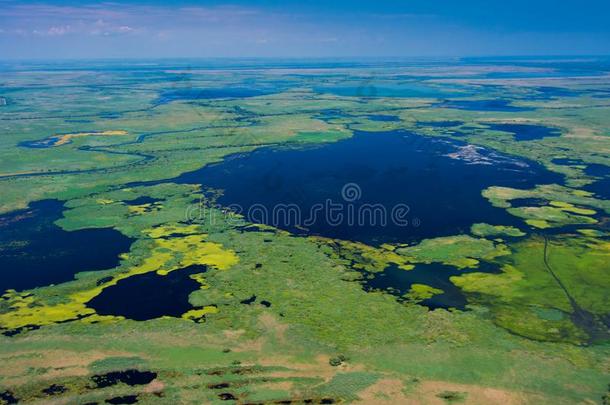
(582,318)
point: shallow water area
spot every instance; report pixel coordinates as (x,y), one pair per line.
(398,282)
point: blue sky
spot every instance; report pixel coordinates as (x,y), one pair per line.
(267,28)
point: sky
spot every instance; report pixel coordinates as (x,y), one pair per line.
(289,28)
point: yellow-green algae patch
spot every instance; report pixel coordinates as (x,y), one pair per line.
(538,223)
(592,232)
(198,314)
(564,206)
(139,209)
(367,257)
(168,230)
(166,254)
(421,292)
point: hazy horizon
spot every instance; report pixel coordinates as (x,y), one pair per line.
(142,29)
(355,60)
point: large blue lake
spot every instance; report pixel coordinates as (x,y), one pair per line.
(440,181)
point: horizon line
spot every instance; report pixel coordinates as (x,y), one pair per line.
(346,58)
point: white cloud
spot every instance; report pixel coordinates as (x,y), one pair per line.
(105,28)
(107,19)
(59,30)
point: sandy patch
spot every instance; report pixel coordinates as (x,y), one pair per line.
(387,391)
(427,392)
(273,326)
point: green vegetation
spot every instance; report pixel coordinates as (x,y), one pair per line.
(460,251)
(544,297)
(485,230)
(421,292)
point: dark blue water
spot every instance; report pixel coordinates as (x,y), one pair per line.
(482,105)
(209,93)
(122,400)
(526,132)
(142,200)
(601,188)
(149,295)
(567,162)
(528,202)
(39,144)
(131,377)
(597,170)
(383,118)
(443,194)
(34,252)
